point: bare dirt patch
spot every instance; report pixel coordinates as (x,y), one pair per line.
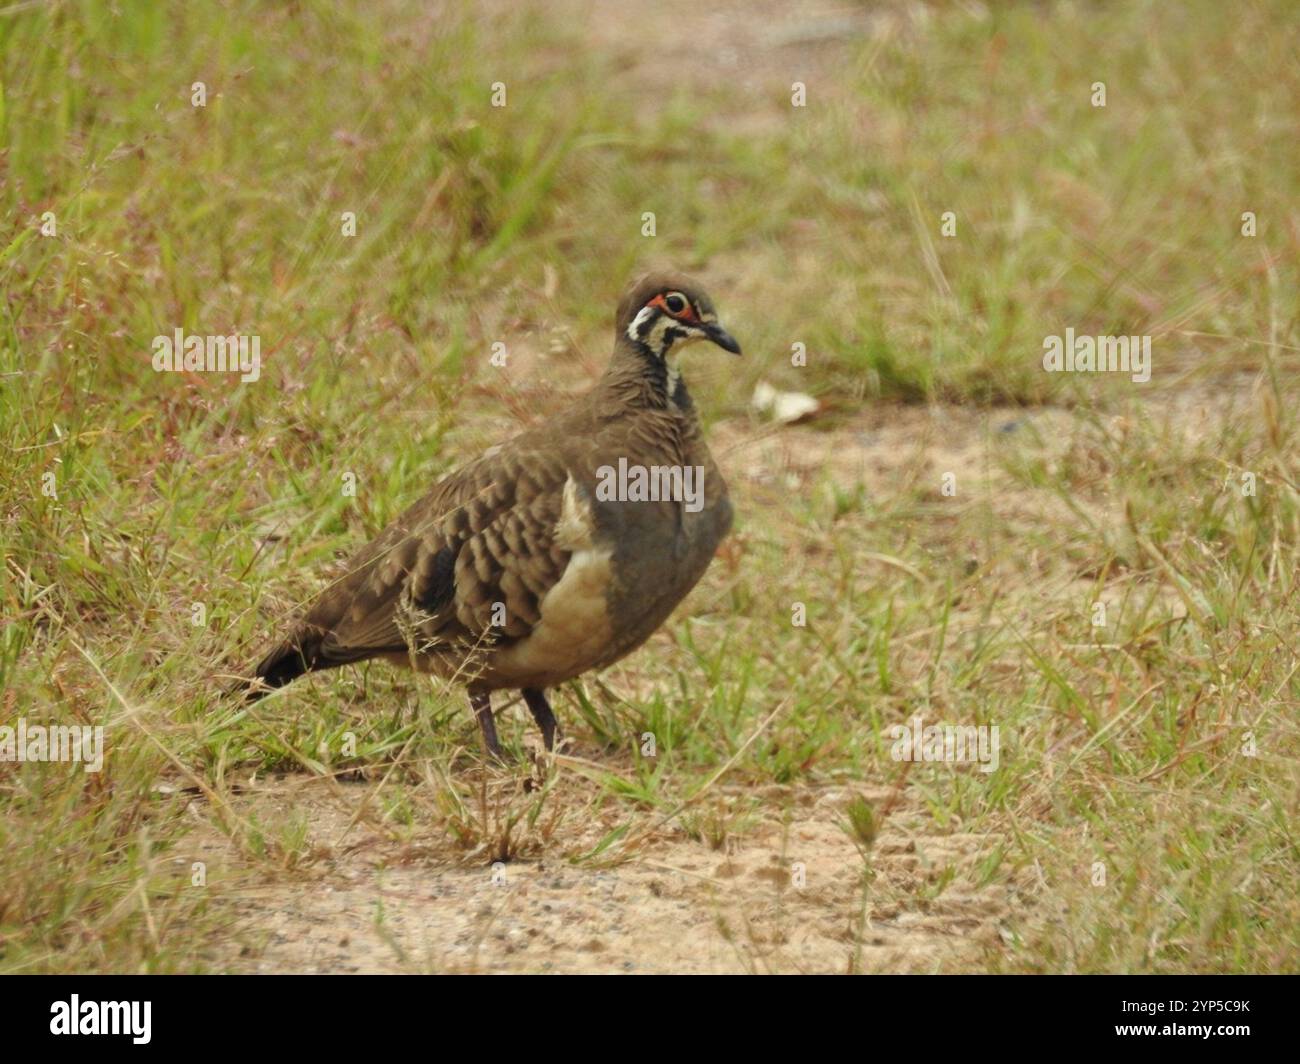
(376,905)
(732,52)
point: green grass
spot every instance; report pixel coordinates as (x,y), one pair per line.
(520,224)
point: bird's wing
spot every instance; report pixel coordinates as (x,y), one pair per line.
(467,565)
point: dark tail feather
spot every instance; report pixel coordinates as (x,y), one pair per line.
(288,661)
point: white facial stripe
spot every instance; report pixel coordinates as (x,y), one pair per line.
(643,315)
(654,337)
(674,374)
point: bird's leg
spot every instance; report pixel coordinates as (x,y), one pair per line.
(481,703)
(541,711)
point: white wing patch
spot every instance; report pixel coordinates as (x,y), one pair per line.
(574,628)
(575,529)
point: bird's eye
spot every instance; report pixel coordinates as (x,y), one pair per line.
(675,302)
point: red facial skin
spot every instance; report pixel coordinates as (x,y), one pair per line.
(688,314)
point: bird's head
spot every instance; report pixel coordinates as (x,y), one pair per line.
(662,313)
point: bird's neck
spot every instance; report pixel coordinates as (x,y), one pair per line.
(639,377)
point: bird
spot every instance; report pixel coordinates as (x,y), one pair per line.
(556,553)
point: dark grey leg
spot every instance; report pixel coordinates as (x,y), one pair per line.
(541,711)
(481,703)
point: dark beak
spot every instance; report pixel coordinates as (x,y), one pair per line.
(722,338)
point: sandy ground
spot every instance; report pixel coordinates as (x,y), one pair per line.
(791,899)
